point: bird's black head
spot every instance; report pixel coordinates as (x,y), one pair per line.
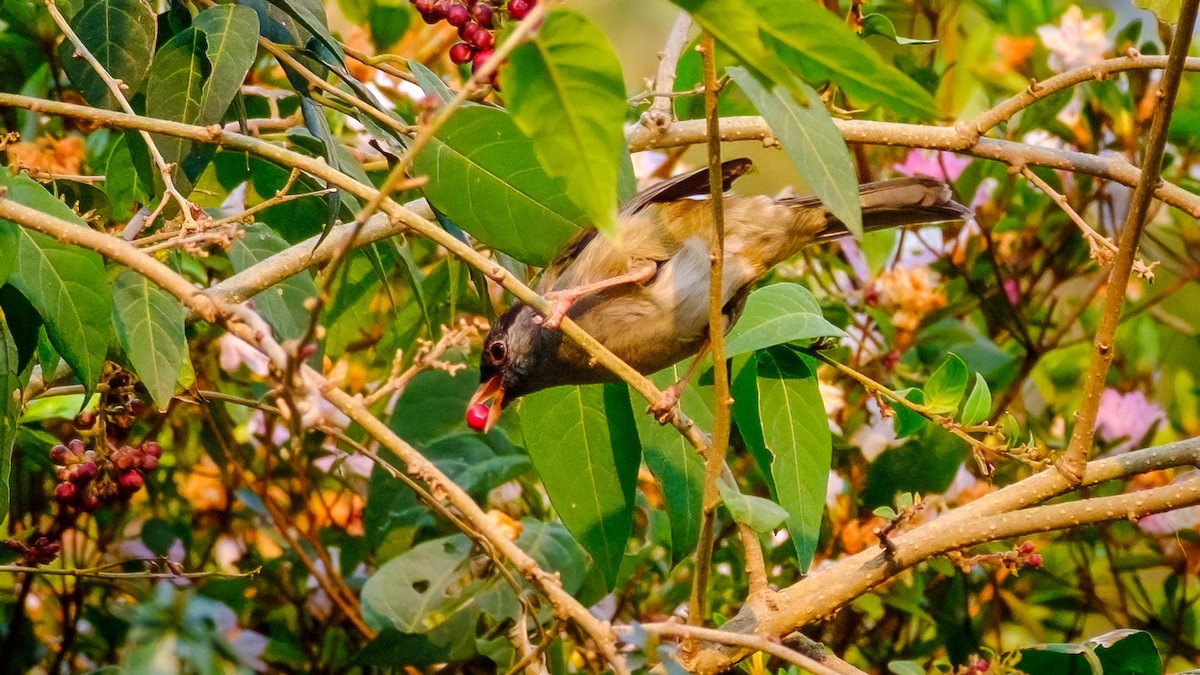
(514,354)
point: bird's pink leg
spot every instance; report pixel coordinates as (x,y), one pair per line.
(664,408)
(561,301)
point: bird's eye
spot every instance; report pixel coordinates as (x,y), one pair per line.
(497,351)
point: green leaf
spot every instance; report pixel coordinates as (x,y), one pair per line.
(195,76)
(777,314)
(674,462)
(66,284)
(760,515)
(1166,10)
(739,26)
(8,250)
(1125,651)
(826,49)
(566,93)
(10,382)
(149,323)
(414,591)
(812,142)
(905,668)
(429,82)
(583,444)
(885,512)
(908,422)
(878,24)
(979,403)
(553,547)
(282,305)
(946,386)
(121,35)
(796,431)
(310,14)
(484,175)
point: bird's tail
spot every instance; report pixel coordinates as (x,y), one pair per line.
(893,203)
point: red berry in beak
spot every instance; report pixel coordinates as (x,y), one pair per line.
(477,417)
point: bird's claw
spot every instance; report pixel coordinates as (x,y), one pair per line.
(664,408)
(560,304)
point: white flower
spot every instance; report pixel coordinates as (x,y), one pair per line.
(875,436)
(1074,42)
(236,351)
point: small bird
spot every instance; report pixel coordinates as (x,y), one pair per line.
(645,294)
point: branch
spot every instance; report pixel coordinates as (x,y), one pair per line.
(999,515)
(1075,458)
(750,642)
(660,115)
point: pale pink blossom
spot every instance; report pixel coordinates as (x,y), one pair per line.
(933,163)
(1075,42)
(877,435)
(346,463)
(1126,417)
(235,352)
(1167,523)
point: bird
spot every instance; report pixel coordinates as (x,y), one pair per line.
(644,294)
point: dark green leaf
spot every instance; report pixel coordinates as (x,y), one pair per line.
(310,14)
(282,305)
(434,405)
(1123,652)
(908,422)
(946,386)
(760,515)
(10,381)
(796,431)
(121,35)
(412,592)
(149,323)
(878,24)
(583,444)
(812,142)
(979,403)
(8,250)
(566,93)
(826,49)
(429,82)
(674,462)
(232,44)
(553,547)
(66,284)
(175,89)
(777,314)
(484,175)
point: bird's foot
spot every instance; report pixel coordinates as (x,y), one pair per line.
(560,304)
(664,408)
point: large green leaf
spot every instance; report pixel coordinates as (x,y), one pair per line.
(566,92)
(412,592)
(149,323)
(777,314)
(947,385)
(10,382)
(8,250)
(553,547)
(675,463)
(791,426)
(484,175)
(64,283)
(583,444)
(812,142)
(1123,651)
(739,27)
(195,76)
(826,49)
(282,305)
(121,35)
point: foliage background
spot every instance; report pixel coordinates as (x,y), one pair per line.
(282,541)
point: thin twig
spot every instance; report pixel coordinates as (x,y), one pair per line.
(752,642)
(98,573)
(660,115)
(1074,459)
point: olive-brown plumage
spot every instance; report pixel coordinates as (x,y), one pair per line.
(667,232)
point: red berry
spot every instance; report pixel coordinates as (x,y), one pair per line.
(424,6)
(77,447)
(64,493)
(480,59)
(58,454)
(519,9)
(90,502)
(477,416)
(484,39)
(1026,548)
(123,459)
(153,449)
(85,420)
(149,463)
(467,31)
(461,52)
(85,473)
(130,482)
(1033,560)
(483,13)
(457,14)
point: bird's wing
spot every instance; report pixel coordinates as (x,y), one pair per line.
(686,185)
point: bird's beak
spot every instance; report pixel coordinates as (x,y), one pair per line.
(492,389)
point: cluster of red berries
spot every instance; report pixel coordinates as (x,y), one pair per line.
(82,484)
(41,552)
(476,21)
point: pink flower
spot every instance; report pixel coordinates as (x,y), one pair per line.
(940,164)
(1167,523)
(1075,43)
(1012,291)
(1126,417)
(236,352)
